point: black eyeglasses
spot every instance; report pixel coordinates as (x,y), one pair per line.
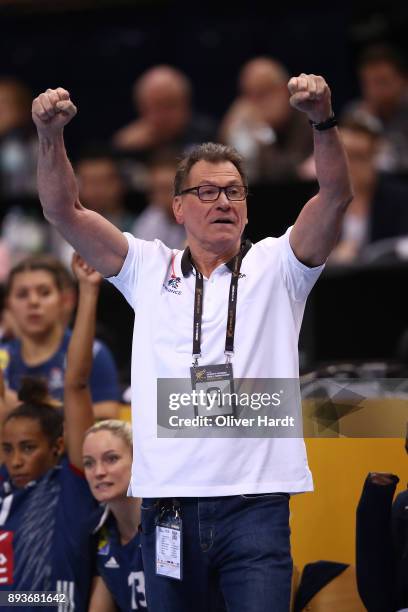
(211,193)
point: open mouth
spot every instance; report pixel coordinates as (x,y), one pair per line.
(227,221)
(103,486)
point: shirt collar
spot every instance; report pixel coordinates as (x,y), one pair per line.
(187,264)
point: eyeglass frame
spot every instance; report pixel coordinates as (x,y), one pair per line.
(220,189)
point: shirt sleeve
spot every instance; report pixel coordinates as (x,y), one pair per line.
(127,281)
(78,504)
(299,278)
(104,377)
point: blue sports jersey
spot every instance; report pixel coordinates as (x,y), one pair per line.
(46,541)
(121,567)
(104,379)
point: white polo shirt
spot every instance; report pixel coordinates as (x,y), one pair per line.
(272,291)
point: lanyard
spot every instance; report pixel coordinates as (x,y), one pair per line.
(232,308)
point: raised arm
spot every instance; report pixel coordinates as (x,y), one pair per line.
(317,228)
(95,238)
(4,408)
(78,410)
(8,399)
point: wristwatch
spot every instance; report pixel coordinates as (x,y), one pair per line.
(324,125)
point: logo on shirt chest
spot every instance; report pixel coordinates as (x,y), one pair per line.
(55,379)
(172,285)
(112,563)
(103,543)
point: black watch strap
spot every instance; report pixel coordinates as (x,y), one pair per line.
(324,125)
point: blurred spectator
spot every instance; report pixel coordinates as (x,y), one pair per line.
(162,100)
(384,105)
(102,189)
(35,296)
(273,138)
(24,232)
(18,147)
(9,328)
(380,206)
(157,220)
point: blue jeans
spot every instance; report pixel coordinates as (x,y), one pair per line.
(236,555)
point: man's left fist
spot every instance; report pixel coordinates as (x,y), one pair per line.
(310,94)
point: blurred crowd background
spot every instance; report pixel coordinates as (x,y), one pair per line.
(151,79)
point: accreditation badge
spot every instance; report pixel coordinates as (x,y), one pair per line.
(214,390)
(169,548)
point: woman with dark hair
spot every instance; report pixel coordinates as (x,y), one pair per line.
(46,508)
(38,296)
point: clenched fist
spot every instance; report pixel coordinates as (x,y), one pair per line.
(52,110)
(311,95)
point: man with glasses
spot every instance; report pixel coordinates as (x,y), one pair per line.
(215,511)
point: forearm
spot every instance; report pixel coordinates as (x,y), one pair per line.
(78,407)
(57,186)
(96,239)
(319,224)
(80,354)
(106,410)
(332,168)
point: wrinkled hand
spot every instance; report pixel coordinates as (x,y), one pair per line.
(310,94)
(84,273)
(52,110)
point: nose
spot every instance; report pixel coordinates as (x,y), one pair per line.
(33,298)
(100,471)
(223,202)
(16,460)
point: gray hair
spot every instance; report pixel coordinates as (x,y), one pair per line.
(212,152)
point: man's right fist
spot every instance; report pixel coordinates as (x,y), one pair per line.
(52,110)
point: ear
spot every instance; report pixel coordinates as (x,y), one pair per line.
(59,447)
(178,209)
